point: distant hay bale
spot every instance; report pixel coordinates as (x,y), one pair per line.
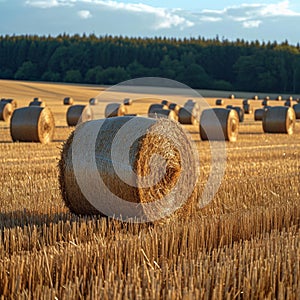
(265,103)
(246,101)
(127,101)
(240,112)
(13,102)
(6,110)
(76,113)
(161,137)
(231,96)
(229,106)
(154,107)
(68,101)
(175,107)
(227,129)
(279,119)
(290,98)
(165,102)
(296,108)
(267,98)
(32,124)
(37,99)
(37,103)
(255,97)
(279,98)
(220,102)
(247,108)
(93,101)
(288,103)
(164,113)
(189,113)
(115,110)
(259,113)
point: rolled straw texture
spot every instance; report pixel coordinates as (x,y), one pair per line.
(6,110)
(68,101)
(32,124)
(279,119)
(228,126)
(13,102)
(161,137)
(115,110)
(78,113)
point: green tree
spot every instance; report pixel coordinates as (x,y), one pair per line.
(73,76)
(27,71)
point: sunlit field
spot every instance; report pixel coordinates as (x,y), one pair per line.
(244,244)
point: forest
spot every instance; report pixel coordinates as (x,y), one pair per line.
(198,62)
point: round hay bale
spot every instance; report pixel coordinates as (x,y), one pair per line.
(279,119)
(229,124)
(247,108)
(229,106)
(231,96)
(139,184)
(290,98)
(259,113)
(165,102)
(6,110)
(279,98)
(37,103)
(115,110)
(240,112)
(32,124)
(175,107)
(165,113)
(93,101)
(288,103)
(246,101)
(127,101)
(76,113)
(255,97)
(13,102)
(37,99)
(154,107)
(296,108)
(265,103)
(189,113)
(68,101)
(220,102)
(267,98)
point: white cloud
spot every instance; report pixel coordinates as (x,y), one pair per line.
(49,3)
(84,14)
(251,24)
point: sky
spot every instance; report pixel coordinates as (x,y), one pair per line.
(269,20)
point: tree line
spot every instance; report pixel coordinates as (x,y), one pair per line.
(197,62)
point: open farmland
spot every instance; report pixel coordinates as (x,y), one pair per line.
(244,244)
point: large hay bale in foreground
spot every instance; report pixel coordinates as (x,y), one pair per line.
(297,110)
(219,124)
(68,101)
(13,102)
(220,102)
(143,190)
(78,113)
(189,113)
(6,110)
(32,124)
(279,119)
(115,110)
(164,113)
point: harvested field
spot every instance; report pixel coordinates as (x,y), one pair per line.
(245,244)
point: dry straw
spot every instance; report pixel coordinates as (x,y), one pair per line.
(220,102)
(297,110)
(164,113)
(279,119)
(127,101)
(93,101)
(32,124)
(115,110)
(162,137)
(228,126)
(13,102)
(6,110)
(68,101)
(78,113)
(189,113)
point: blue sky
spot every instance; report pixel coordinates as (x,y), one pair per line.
(268,20)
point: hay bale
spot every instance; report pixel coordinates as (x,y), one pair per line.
(279,119)
(279,98)
(247,108)
(13,102)
(290,98)
(93,101)
(220,102)
(246,101)
(226,129)
(288,103)
(267,98)
(296,108)
(175,107)
(259,113)
(68,101)
(189,113)
(127,101)
(265,103)
(37,99)
(115,110)
(165,102)
(229,106)
(140,189)
(164,113)
(154,107)
(37,103)
(6,110)
(240,112)
(255,97)
(78,113)
(32,124)
(231,96)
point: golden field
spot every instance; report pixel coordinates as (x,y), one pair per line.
(245,244)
